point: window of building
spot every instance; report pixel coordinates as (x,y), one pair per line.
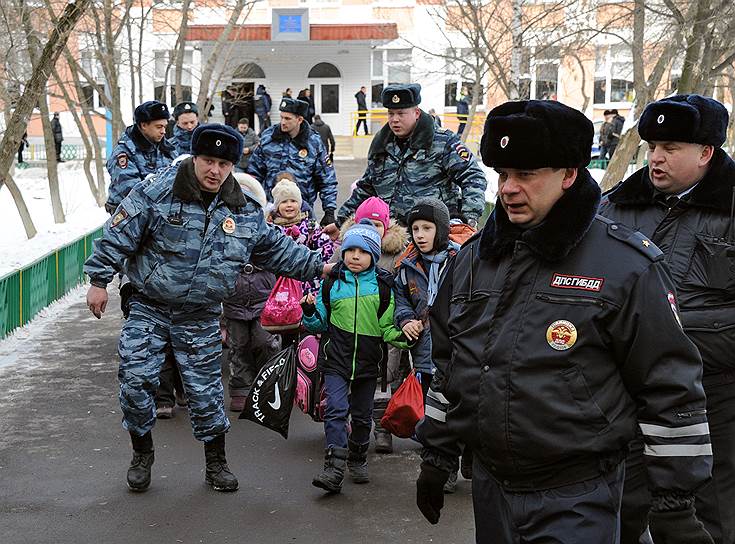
(330,98)
(675,74)
(539,73)
(460,78)
(450,94)
(87,98)
(524,83)
(324,69)
(613,75)
(377,93)
(377,67)
(388,67)
(547,75)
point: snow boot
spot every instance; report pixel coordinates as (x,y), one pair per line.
(357,464)
(383,438)
(330,478)
(218,474)
(139,472)
(465,463)
(451,485)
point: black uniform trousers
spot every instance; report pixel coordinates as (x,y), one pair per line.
(582,513)
(715,502)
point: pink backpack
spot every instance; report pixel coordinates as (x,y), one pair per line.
(309,396)
(282,310)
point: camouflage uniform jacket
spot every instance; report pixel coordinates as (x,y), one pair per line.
(181,140)
(303,156)
(434,163)
(183,256)
(132,160)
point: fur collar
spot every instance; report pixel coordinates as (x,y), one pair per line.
(394,241)
(554,238)
(713,191)
(421,138)
(302,138)
(186,187)
(145,145)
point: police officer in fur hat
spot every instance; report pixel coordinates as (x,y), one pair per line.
(186,116)
(683,201)
(556,333)
(411,157)
(142,150)
(293,146)
(183,238)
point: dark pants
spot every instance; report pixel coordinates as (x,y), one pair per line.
(363,121)
(169,381)
(20,154)
(460,129)
(715,502)
(348,398)
(58,150)
(265,121)
(250,347)
(584,513)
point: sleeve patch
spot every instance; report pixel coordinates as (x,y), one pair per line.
(119,218)
(464,153)
(122,160)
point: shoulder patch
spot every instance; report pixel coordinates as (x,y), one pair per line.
(633,238)
(122,160)
(461,149)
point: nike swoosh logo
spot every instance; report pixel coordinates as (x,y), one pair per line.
(276,404)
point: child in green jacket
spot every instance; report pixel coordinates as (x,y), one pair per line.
(354,312)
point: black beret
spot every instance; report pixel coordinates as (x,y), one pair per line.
(215,140)
(185,107)
(536,134)
(152,110)
(689,118)
(396,97)
(295,106)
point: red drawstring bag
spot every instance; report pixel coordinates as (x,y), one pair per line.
(282,310)
(405,408)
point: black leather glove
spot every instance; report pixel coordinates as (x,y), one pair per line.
(678,527)
(328,217)
(430,491)
(308,309)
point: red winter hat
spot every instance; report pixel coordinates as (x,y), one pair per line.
(374,208)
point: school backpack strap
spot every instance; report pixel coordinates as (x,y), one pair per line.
(385,290)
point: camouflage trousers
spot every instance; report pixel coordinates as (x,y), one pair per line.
(197,346)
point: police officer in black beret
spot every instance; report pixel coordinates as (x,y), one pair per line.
(186,115)
(556,333)
(293,146)
(141,150)
(411,157)
(683,201)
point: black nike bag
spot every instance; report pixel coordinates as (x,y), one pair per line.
(271,396)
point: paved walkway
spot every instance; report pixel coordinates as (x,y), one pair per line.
(63,457)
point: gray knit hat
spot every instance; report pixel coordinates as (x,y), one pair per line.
(434,211)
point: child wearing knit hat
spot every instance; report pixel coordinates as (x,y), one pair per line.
(420,273)
(354,312)
(292,221)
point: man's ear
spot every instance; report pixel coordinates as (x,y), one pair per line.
(570,176)
(708,152)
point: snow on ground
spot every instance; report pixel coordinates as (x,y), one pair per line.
(82,215)
(20,342)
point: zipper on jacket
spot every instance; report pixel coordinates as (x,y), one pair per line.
(354,327)
(579,301)
(207,217)
(691,413)
(472,267)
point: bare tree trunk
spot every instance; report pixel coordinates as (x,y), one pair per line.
(31,93)
(693,48)
(25,215)
(476,88)
(730,143)
(129,31)
(180,49)
(517,50)
(204,99)
(52,169)
(616,169)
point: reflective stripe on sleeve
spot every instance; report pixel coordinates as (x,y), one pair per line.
(437,396)
(678,450)
(434,413)
(700,429)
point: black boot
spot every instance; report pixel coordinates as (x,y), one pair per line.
(218,473)
(357,464)
(331,477)
(383,438)
(139,472)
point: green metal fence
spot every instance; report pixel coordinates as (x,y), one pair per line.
(26,292)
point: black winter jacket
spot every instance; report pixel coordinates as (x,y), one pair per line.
(553,343)
(693,236)
(252,287)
